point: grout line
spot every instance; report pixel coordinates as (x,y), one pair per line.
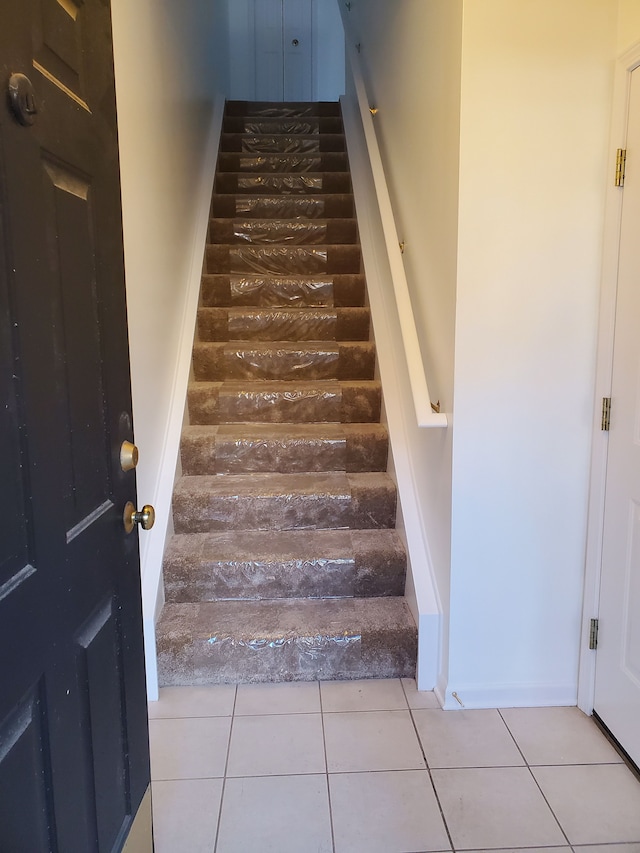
(537,784)
(433,784)
(326,764)
(226,767)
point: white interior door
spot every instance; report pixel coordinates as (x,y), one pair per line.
(283,50)
(298,40)
(617,696)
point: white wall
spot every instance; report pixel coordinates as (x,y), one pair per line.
(166,83)
(411,54)
(628,24)
(535,105)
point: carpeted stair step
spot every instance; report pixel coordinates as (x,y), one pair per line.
(283,206)
(282,109)
(243,142)
(246,565)
(283,260)
(285,640)
(283,360)
(284,448)
(283,324)
(302,183)
(341,291)
(303,125)
(283,502)
(282,163)
(270,401)
(283,231)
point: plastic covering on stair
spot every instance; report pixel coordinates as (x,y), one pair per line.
(280,144)
(273,362)
(277,260)
(288,125)
(257,453)
(296,232)
(280,207)
(280,183)
(281,292)
(283,112)
(288,405)
(306,648)
(283,325)
(275,163)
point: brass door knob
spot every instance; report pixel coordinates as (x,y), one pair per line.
(145,517)
(128,456)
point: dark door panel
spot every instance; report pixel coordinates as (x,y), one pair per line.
(73,732)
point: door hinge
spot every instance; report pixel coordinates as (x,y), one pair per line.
(621,164)
(593,634)
(606,414)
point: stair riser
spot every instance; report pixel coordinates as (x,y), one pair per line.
(282,109)
(226,450)
(282,232)
(309,124)
(283,207)
(308,183)
(219,362)
(249,142)
(211,403)
(223,661)
(269,292)
(226,572)
(365,508)
(341,324)
(283,163)
(283,260)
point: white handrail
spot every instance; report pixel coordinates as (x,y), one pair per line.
(425,415)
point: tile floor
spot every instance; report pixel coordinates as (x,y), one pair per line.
(375,766)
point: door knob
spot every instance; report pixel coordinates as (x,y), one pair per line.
(295,42)
(131,516)
(22,99)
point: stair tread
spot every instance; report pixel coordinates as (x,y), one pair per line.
(273,484)
(281,545)
(292,432)
(285,617)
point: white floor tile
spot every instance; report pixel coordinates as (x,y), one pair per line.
(386,813)
(279,744)
(215,701)
(419,698)
(384,694)
(294,698)
(371,740)
(278,814)
(558,736)
(466,739)
(595,804)
(185,815)
(495,808)
(608,848)
(189,748)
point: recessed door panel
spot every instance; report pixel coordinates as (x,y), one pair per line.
(26,812)
(297,50)
(57,44)
(269,67)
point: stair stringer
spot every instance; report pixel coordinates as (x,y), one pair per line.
(153,544)
(407,440)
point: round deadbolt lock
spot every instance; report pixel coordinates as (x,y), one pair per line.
(128,456)
(145,517)
(295,42)
(22,97)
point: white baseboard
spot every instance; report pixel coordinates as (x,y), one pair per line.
(535,695)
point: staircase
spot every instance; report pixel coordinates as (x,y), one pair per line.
(285,564)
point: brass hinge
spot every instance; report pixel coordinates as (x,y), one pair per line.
(621,164)
(606,414)
(593,634)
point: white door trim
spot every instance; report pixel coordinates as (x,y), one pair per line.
(626,63)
